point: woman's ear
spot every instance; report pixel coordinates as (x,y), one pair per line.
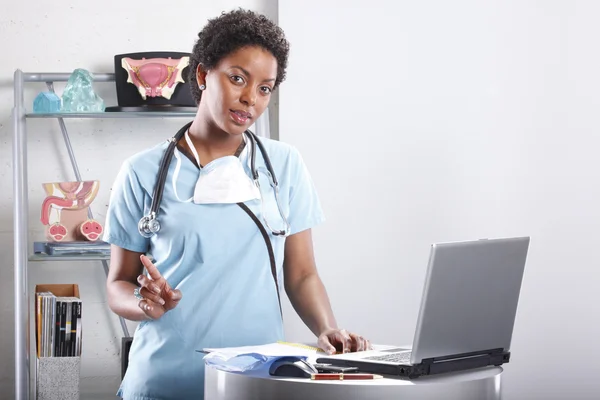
(201,77)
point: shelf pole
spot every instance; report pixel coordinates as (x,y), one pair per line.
(20,242)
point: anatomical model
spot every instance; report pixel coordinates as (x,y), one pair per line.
(65,211)
(155,77)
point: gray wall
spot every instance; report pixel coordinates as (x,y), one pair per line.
(426,121)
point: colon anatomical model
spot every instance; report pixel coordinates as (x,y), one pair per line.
(65,211)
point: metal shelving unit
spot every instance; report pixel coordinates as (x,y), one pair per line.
(22,254)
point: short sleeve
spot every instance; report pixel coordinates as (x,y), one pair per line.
(305,206)
(125,209)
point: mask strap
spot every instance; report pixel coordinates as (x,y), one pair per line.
(176,174)
(191,146)
(249,148)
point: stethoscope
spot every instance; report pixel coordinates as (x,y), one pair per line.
(149,224)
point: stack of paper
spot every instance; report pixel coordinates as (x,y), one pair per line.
(269,350)
(246,358)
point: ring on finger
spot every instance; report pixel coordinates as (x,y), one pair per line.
(136,293)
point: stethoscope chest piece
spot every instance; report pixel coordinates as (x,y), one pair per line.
(148,226)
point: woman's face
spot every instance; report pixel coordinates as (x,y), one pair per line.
(238,89)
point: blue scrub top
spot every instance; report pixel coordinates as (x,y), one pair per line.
(216,255)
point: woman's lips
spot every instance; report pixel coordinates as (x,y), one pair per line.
(240,117)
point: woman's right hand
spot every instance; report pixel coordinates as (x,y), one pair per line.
(158,296)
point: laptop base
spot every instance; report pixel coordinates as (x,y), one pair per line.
(430,366)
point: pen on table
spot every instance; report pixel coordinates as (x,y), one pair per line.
(341,377)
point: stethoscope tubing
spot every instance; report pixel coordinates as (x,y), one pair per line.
(144,225)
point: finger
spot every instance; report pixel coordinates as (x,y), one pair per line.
(151,309)
(172,298)
(341,341)
(345,340)
(369,345)
(144,281)
(366,344)
(363,344)
(152,296)
(146,307)
(358,342)
(326,345)
(151,268)
(176,295)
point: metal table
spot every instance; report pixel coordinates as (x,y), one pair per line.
(481,384)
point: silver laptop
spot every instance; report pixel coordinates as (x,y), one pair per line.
(467,312)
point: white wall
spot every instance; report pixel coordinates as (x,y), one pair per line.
(37,36)
(427,121)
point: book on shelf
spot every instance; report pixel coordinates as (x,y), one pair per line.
(76,248)
(58,321)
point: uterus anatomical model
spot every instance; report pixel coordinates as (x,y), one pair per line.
(65,211)
(155,77)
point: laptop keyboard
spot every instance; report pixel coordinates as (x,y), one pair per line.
(401,358)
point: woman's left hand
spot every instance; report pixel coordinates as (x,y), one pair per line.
(339,340)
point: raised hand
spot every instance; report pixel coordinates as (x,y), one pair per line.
(156,295)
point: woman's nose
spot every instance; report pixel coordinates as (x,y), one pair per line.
(248,97)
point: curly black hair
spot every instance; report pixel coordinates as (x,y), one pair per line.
(231,31)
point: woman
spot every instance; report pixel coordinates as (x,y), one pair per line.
(219,260)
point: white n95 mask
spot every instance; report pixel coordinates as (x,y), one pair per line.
(222,181)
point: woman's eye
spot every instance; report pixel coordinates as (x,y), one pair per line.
(266,89)
(237,79)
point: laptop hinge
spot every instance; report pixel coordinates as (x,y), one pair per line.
(463,361)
